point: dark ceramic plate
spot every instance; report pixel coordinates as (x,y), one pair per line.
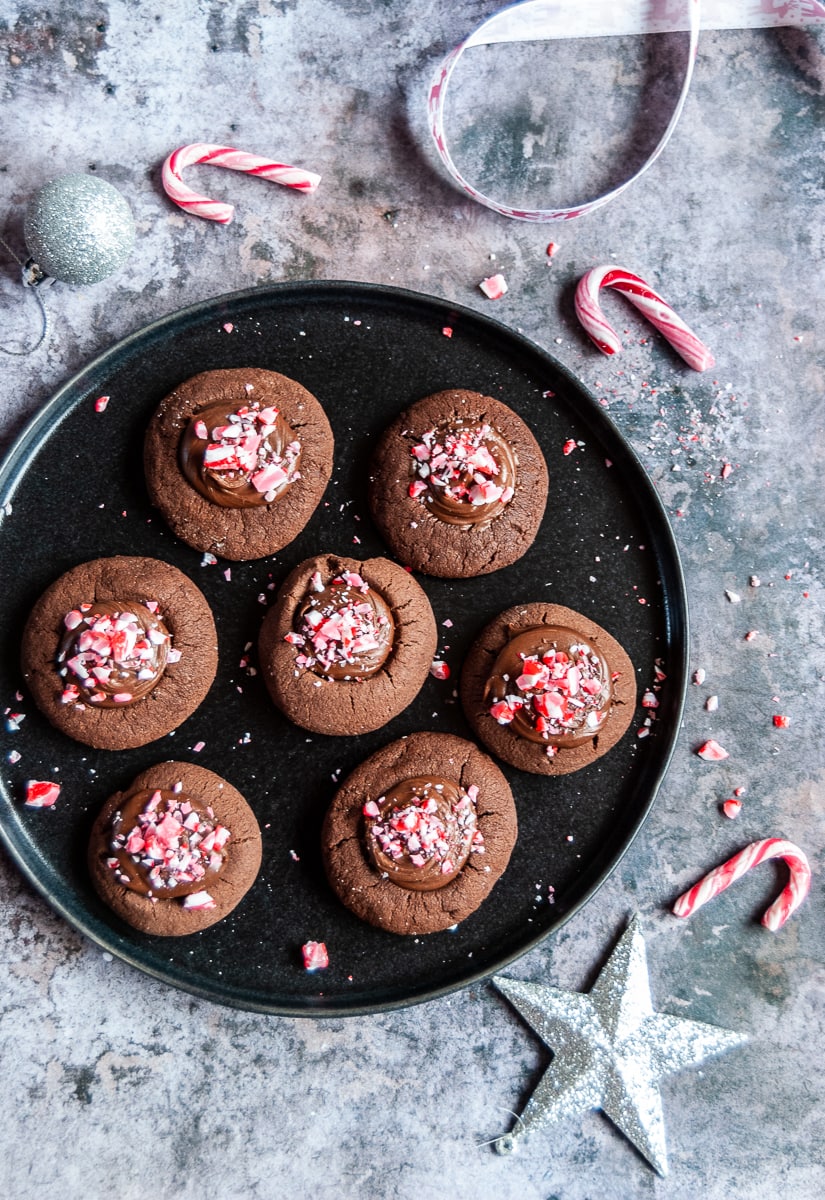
(75,489)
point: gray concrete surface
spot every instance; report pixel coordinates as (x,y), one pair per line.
(115,1085)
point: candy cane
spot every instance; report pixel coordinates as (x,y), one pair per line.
(649,303)
(717,880)
(233,160)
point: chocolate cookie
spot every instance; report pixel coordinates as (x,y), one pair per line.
(547,690)
(120,651)
(347,645)
(176,851)
(418,835)
(237,461)
(458,485)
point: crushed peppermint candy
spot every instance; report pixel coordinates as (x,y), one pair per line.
(558,692)
(315,956)
(168,847)
(781,722)
(422,832)
(345,629)
(101,403)
(463,465)
(439,669)
(110,656)
(249,444)
(41,793)
(198,902)
(711,751)
(732,808)
(494,286)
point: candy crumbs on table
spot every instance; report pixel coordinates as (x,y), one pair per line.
(711,751)
(41,793)
(781,722)
(732,808)
(494,287)
(101,403)
(722,877)
(440,670)
(315,956)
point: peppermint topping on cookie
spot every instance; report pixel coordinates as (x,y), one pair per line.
(465,473)
(344,629)
(422,831)
(113,654)
(165,845)
(244,457)
(550,686)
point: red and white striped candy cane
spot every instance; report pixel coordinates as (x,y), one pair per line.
(649,303)
(233,160)
(717,880)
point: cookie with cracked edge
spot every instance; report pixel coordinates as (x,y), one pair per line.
(210,516)
(503,739)
(186,675)
(226,888)
(347,691)
(368,892)
(443,521)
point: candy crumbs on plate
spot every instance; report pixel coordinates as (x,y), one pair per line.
(315,956)
(41,794)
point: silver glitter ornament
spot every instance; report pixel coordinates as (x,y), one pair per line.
(78,229)
(610,1050)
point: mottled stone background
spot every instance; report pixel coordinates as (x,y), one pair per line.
(116,1085)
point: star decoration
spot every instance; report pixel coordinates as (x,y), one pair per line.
(610,1050)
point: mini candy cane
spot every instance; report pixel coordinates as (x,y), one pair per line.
(717,880)
(233,160)
(648,302)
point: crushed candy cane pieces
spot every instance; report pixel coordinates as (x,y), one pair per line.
(41,793)
(494,287)
(711,751)
(315,956)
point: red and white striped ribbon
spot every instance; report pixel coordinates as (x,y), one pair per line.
(540,20)
(722,877)
(234,160)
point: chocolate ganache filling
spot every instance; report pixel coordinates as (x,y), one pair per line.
(421,832)
(240,458)
(465,473)
(112,654)
(550,686)
(164,844)
(343,629)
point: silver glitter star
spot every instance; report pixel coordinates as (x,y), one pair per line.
(610,1050)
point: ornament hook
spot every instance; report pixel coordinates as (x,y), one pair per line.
(32,276)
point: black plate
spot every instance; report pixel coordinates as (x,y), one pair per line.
(75,486)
